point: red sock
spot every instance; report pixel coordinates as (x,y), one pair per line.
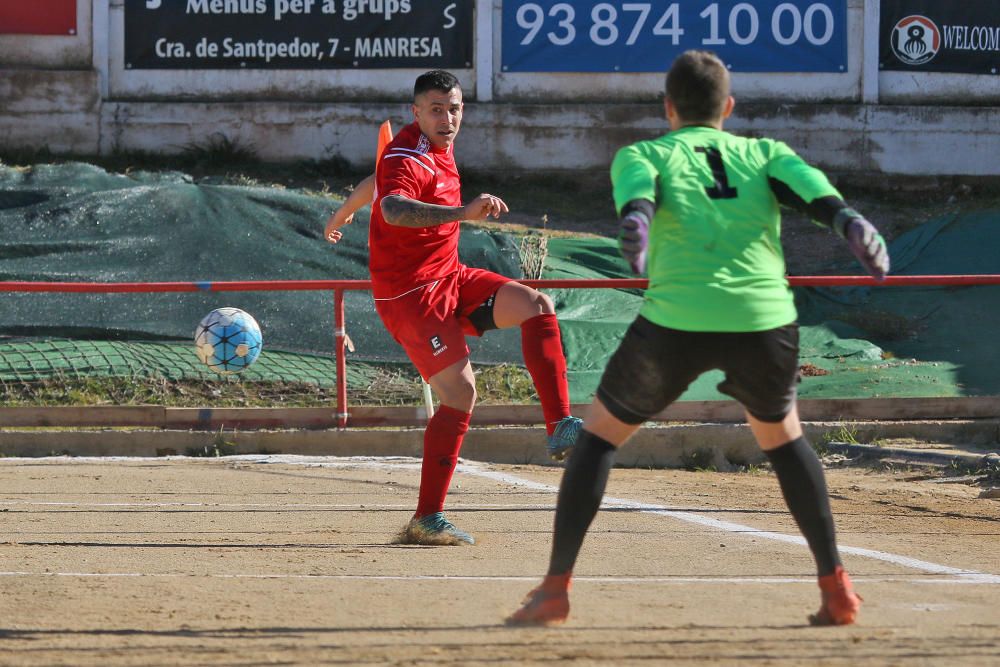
(541,345)
(442,442)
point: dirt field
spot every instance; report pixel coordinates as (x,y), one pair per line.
(267,560)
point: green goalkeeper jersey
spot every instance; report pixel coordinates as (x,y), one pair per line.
(715,259)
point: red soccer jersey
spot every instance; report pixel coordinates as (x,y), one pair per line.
(402,258)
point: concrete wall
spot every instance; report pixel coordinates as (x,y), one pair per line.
(55,109)
(74,94)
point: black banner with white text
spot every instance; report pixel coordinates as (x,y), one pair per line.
(935,36)
(298,34)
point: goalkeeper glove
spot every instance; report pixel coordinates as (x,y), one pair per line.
(633,239)
(864,241)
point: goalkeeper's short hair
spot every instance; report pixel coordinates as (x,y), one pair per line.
(698,86)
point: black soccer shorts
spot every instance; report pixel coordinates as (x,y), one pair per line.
(654,365)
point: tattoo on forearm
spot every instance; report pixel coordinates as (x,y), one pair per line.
(404,212)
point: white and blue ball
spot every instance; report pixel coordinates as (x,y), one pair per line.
(228,340)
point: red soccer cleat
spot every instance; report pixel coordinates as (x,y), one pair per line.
(840,602)
(548,604)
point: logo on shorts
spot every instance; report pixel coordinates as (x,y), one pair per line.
(915,40)
(437,345)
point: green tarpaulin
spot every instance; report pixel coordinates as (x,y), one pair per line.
(76,222)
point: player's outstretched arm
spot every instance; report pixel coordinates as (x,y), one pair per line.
(832,212)
(362,194)
(798,185)
(405,212)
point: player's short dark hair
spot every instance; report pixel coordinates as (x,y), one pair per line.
(698,86)
(436,79)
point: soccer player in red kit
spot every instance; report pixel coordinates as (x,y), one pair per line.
(429,301)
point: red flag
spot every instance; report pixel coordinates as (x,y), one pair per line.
(384,137)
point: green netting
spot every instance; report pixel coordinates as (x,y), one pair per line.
(855,343)
(78,223)
(58,371)
(29,360)
(940,340)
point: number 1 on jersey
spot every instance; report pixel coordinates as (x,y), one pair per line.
(721,189)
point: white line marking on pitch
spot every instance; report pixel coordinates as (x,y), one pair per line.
(730,527)
(367,462)
(446,577)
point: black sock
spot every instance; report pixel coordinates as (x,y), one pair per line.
(580,495)
(803,484)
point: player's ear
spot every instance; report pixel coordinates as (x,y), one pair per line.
(672,116)
(728,110)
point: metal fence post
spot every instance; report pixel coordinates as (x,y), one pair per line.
(340,334)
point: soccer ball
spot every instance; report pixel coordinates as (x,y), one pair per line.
(228,340)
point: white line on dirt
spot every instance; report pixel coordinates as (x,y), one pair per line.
(428,577)
(730,527)
(477,470)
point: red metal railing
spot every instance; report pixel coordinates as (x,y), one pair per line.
(338,287)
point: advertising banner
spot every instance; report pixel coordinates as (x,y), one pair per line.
(934,36)
(298,34)
(38,17)
(749,35)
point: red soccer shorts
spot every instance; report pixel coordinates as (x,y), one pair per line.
(431,322)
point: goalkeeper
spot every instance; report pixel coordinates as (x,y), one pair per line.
(700,206)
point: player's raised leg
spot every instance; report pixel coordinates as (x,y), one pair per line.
(541,344)
(456,388)
(803,485)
